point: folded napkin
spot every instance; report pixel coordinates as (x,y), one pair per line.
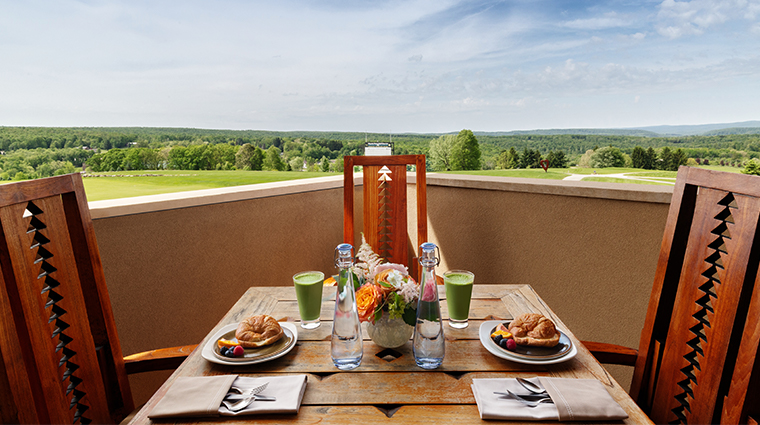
(202,396)
(288,389)
(574,400)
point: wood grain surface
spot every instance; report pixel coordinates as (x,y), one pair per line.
(391,388)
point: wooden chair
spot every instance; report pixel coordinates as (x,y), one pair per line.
(60,358)
(384,212)
(697,359)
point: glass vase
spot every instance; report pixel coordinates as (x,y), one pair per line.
(389,333)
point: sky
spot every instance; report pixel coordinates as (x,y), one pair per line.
(422,66)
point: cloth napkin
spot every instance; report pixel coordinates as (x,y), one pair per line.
(574,400)
(288,389)
(202,396)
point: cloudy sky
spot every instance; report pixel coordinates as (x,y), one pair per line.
(379,66)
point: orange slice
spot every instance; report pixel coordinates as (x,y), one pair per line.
(227,343)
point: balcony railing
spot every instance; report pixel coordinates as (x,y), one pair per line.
(176,263)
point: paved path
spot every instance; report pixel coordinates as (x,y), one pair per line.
(579,177)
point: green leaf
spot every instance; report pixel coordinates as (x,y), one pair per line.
(410,315)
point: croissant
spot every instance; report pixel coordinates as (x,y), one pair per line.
(258,331)
(534,329)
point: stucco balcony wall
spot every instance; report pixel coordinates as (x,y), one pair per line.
(176,263)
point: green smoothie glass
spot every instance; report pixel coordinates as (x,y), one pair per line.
(458,293)
(309,293)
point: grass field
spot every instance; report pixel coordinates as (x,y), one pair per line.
(118,185)
(125,184)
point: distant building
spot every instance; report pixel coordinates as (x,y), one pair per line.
(378,148)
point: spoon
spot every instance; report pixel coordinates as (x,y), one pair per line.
(530,386)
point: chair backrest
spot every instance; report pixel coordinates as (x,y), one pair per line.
(384,205)
(697,360)
(60,358)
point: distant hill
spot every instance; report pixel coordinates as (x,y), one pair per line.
(573,131)
(705,129)
(747,127)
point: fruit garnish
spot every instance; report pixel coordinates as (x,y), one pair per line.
(330,281)
(227,343)
(238,351)
(504,334)
(511,344)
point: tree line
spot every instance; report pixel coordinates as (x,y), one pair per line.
(30,152)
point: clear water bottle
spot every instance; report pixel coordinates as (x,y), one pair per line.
(346,341)
(428,345)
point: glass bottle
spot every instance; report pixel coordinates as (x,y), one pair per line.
(428,343)
(346,341)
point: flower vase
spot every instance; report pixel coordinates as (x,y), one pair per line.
(389,333)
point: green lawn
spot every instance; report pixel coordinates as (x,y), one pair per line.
(125,184)
(556,173)
(168,181)
(616,180)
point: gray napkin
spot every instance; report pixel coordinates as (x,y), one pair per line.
(197,396)
(288,389)
(574,400)
(202,396)
(582,400)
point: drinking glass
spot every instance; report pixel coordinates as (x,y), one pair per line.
(458,285)
(309,293)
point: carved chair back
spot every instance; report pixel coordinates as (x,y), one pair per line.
(60,358)
(385,204)
(697,360)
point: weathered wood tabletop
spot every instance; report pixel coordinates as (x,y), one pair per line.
(386,388)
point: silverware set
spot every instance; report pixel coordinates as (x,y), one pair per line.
(248,397)
(537,394)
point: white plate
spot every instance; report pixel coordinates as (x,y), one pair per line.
(208,349)
(485,339)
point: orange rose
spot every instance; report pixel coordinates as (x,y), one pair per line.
(367,299)
(383,277)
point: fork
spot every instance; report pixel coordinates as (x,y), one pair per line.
(525,401)
(248,397)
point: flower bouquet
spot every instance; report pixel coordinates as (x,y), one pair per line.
(385,287)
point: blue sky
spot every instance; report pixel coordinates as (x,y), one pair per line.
(379,66)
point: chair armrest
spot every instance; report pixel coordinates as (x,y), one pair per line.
(161,359)
(611,353)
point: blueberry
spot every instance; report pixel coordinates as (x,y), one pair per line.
(497,339)
(503,343)
(223,351)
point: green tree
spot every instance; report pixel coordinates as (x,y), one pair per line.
(639,158)
(325,164)
(243,157)
(530,158)
(651,159)
(440,152)
(607,156)
(257,159)
(296,163)
(508,159)
(557,159)
(465,154)
(665,161)
(752,167)
(272,160)
(678,159)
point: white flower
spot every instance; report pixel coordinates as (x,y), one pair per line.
(395,279)
(409,290)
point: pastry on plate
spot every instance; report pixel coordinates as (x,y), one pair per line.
(534,330)
(258,331)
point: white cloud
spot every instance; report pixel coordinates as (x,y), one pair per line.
(682,18)
(608,20)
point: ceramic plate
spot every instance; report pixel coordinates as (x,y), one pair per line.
(252,355)
(564,351)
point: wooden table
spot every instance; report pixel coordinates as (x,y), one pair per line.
(388,386)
